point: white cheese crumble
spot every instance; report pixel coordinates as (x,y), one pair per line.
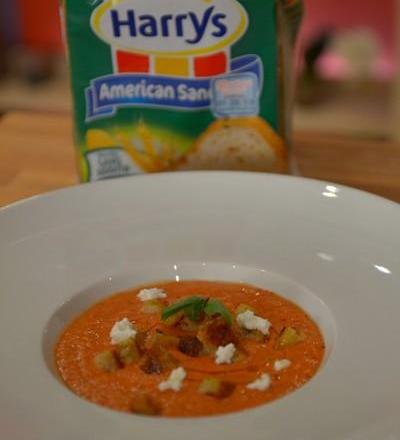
(260,384)
(151,294)
(121,331)
(282,364)
(224,355)
(250,321)
(174,381)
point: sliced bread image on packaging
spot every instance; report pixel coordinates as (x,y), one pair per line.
(180,85)
(247,143)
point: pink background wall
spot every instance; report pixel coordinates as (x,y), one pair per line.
(378,15)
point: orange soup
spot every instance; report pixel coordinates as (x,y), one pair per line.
(191,348)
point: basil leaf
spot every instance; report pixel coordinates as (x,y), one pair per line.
(194,311)
(193,302)
(194,306)
(215,307)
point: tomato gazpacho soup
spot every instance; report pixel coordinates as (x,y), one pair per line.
(189,348)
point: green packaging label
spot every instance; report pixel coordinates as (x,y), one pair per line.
(183,84)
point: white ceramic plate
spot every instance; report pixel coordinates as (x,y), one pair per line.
(333,250)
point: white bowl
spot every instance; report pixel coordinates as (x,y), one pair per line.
(333,250)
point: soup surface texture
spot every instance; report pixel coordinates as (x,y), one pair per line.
(191,348)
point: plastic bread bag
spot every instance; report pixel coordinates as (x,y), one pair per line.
(180,85)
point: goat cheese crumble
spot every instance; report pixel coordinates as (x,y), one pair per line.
(174,381)
(250,321)
(260,384)
(151,294)
(282,364)
(224,354)
(121,331)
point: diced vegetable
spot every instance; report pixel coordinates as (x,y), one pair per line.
(144,404)
(128,352)
(191,346)
(218,388)
(153,306)
(106,361)
(290,336)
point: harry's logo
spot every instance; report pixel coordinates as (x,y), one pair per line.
(181,28)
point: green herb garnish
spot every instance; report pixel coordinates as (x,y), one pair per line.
(215,307)
(195,311)
(194,306)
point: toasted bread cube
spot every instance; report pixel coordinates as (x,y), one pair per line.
(187,325)
(191,346)
(218,388)
(240,354)
(106,361)
(144,404)
(214,333)
(290,336)
(140,339)
(153,306)
(244,308)
(165,341)
(128,352)
(151,364)
(168,362)
(255,335)
(157,360)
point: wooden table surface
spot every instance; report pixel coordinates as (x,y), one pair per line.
(37,155)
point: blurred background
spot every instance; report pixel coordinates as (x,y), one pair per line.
(347,58)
